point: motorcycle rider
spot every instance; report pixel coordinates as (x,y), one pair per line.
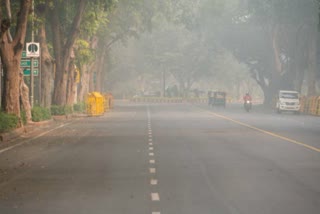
(247,98)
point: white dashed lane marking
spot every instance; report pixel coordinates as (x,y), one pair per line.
(155,197)
(152,170)
(153,182)
(152,161)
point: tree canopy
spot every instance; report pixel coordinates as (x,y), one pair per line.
(185,44)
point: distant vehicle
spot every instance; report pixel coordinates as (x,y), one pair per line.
(151,94)
(248,105)
(219,99)
(288,101)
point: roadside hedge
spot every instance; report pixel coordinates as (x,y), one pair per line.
(40,114)
(8,122)
(61,110)
(79,107)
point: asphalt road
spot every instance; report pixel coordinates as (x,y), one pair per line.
(167,159)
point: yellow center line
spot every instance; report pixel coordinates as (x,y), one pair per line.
(265,132)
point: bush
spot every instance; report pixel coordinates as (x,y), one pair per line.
(61,110)
(79,107)
(40,114)
(8,122)
(24,117)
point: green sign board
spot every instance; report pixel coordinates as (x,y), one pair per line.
(27,63)
(27,72)
(24,54)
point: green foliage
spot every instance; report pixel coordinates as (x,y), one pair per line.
(8,122)
(40,114)
(79,107)
(23,117)
(61,110)
(84,54)
(284,11)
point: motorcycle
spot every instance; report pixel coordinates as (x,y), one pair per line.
(248,105)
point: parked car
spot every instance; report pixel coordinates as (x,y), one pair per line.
(288,101)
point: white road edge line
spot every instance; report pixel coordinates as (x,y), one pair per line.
(36,137)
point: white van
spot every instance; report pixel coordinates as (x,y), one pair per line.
(288,101)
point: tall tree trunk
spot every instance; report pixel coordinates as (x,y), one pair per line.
(11,51)
(297,61)
(270,89)
(59,79)
(100,66)
(63,55)
(312,63)
(46,69)
(24,92)
(98,80)
(72,85)
(92,80)
(84,83)
(276,51)
(86,72)
(11,69)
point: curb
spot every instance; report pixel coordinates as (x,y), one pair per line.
(7,137)
(12,135)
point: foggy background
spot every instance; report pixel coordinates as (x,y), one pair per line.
(236,46)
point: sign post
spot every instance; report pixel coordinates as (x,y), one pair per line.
(32,83)
(32,51)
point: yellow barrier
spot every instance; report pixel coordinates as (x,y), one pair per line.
(95,104)
(312,104)
(318,107)
(303,104)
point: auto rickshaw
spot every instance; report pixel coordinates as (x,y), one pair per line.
(219,98)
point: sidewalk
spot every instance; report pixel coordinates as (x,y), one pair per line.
(34,129)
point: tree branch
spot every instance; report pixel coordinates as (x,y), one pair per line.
(75,26)
(22,21)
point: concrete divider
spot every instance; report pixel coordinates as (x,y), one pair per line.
(168,100)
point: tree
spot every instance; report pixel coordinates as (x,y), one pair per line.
(292,27)
(11,50)
(47,61)
(127,19)
(274,38)
(63,42)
